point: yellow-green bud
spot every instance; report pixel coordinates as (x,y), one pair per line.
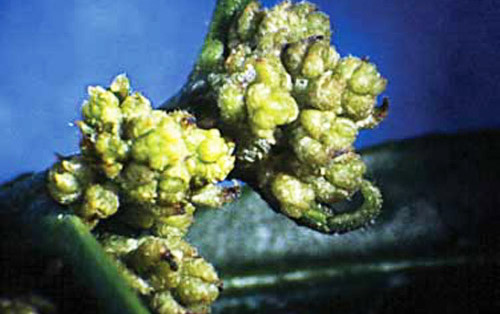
(120,86)
(232,103)
(147,255)
(192,291)
(164,277)
(102,110)
(67,179)
(164,303)
(321,135)
(321,57)
(135,106)
(294,196)
(200,268)
(346,172)
(247,23)
(325,92)
(99,202)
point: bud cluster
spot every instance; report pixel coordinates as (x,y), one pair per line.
(294,106)
(151,167)
(156,164)
(167,271)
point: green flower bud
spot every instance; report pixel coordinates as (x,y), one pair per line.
(117,246)
(341,135)
(164,303)
(232,103)
(325,191)
(147,255)
(163,277)
(135,106)
(192,291)
(99,202)
(67,179)
(110,149)
(200,268)
(325,92)
(321,57)
(293,23)
(247,23)
(212,148)
(174,184)
(139,183)
(179,222)
(102,110)
(366,80)
(347,66)
(271,72)
(318,24)
(212,161)
(321,135)
(294,196)
(358,106)
(161,147)
(346,172)
(309,149)
(268,108)
(143,124)
(120,86)
(212,55)
(364,85)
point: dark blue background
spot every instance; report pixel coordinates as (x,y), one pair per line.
(441,58)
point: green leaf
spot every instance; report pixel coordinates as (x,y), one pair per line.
(32,222)
(440,207)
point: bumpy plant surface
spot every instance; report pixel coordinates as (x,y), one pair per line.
(288,109)
(294,108)
(147,169)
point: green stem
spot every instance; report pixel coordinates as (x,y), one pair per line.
(225,11)
(192,95)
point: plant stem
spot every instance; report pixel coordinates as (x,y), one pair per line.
(193,95)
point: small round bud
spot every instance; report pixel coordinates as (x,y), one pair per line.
(120,86)
(102,110)
(164,277)
(164,303)
(149,254)
(247,23)
(212,55)
(346,172)
(200,268)
(193,291)
(67,179)
(232,103)
(358,107)
(135,106)
(99,202)
(325,92)
(294,196)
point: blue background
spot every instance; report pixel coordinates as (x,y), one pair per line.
(441,58)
